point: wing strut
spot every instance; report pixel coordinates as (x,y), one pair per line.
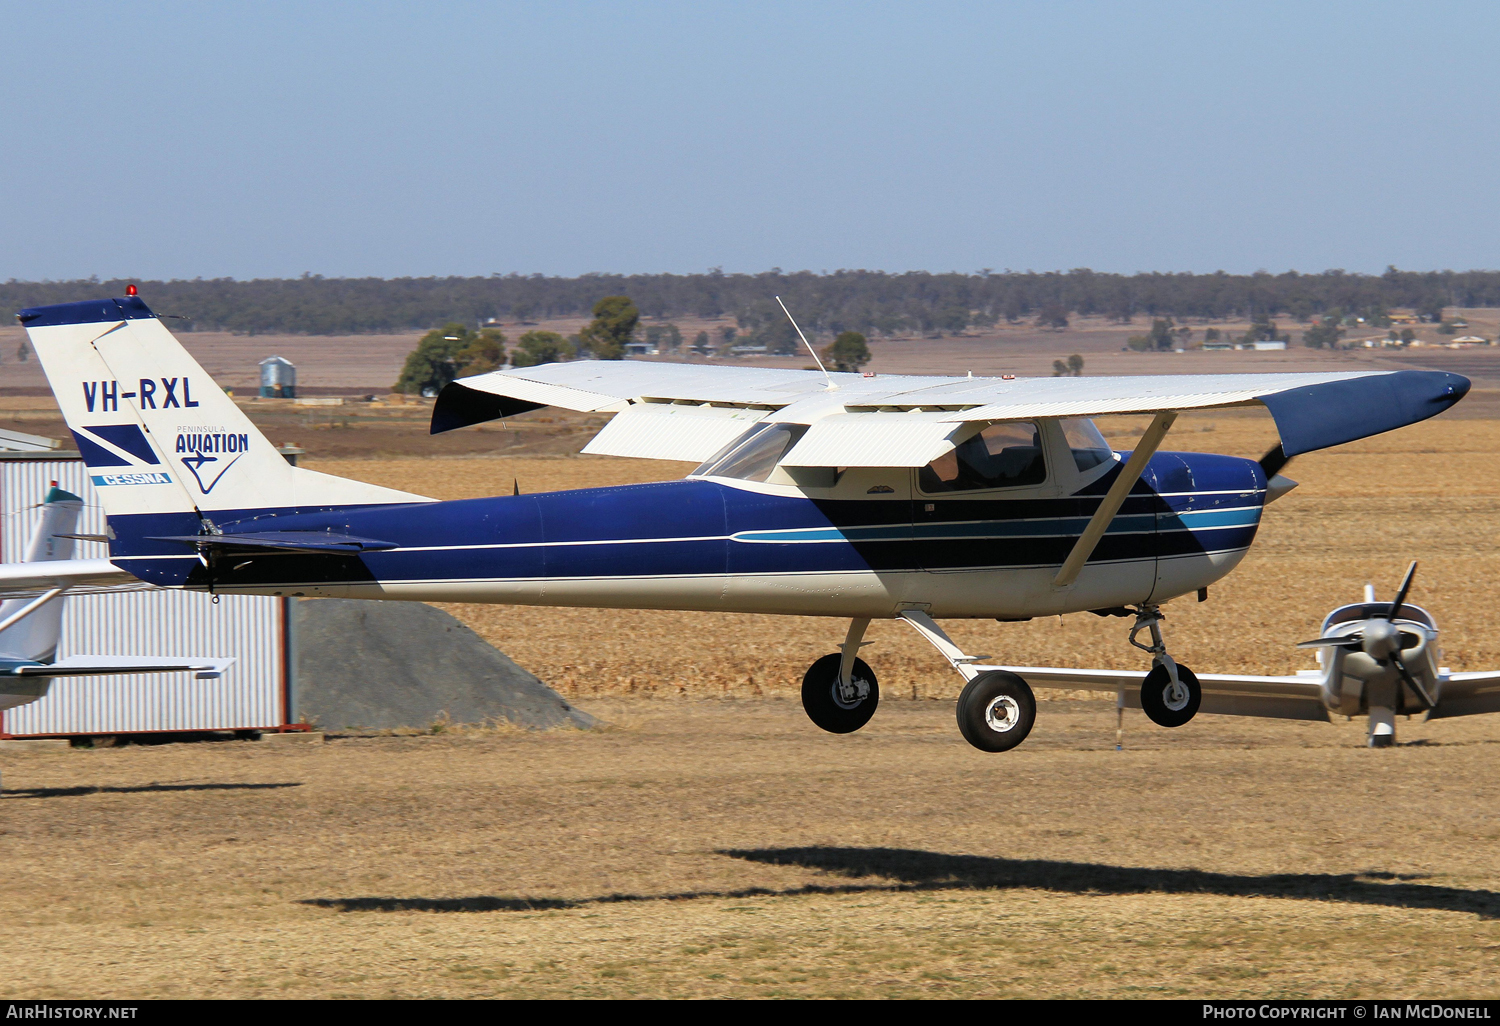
(1114,499)
(31,607)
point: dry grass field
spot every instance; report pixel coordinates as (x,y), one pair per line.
(711,842)
(730,849)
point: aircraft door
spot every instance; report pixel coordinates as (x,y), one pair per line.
(1122,568)
(970,506)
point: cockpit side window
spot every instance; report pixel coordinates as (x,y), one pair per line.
(1087,443)
(753,457)
(1005,455)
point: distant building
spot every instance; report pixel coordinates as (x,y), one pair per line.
(1219,347)
(278,378)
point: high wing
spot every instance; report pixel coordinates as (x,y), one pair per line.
(1298,697)
(76,576)
(688,412)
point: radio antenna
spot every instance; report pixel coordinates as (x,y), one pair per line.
(831,386)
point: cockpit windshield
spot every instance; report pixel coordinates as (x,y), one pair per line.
(753,456)
(1088,445)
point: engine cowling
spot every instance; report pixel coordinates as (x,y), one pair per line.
(1363,674)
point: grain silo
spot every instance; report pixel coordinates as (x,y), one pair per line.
(278,378)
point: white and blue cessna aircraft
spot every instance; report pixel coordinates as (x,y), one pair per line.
(839,495)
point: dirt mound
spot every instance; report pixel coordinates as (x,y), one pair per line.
(388,665)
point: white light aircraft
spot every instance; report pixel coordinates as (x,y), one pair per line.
(1376,659)
(30,627)
(838,495)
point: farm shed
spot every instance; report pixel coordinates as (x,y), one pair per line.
(255,694)
(345,664)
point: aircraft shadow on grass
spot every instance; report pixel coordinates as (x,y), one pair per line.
(74,792)
(906,870)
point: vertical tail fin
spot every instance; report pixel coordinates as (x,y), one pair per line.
(156,432)
(35,635)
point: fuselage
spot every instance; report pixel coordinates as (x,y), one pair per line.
(870,544)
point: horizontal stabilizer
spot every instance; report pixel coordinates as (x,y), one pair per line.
(285,541)
(204,668)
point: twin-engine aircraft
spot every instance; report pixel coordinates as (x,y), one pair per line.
(31,627)
(839,495)
(1376,659)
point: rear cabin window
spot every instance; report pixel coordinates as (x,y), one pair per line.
(753,457)
(1001,456)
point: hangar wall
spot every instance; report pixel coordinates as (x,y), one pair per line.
(253,694)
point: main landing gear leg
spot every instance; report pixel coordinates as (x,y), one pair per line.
(1170,694)
(839,691)
(996,709)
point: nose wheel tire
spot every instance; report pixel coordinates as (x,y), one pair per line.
(996,711)
(839,709)
(1168,704)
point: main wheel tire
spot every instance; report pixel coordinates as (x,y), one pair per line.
(828,707)
(1170,706)
(996,711)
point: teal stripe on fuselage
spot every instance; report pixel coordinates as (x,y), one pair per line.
(1135,523)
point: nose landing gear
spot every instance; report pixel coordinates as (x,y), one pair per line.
(1170,694)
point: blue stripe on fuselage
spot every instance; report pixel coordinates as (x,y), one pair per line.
(704,528)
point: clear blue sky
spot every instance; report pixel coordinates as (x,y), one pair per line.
(269,139)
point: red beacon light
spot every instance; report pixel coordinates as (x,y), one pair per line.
(131,290)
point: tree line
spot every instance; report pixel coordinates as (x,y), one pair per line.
(870,302)
(456,350)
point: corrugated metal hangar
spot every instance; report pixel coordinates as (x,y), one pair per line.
(255,694)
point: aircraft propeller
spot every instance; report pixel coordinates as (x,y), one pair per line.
(1411,572)
(1380,639)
